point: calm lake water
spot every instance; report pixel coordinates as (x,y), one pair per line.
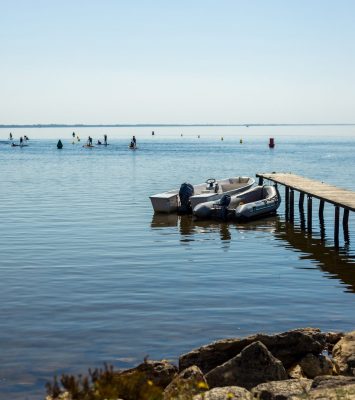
(90,275)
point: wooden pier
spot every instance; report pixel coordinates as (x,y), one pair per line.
(340,198)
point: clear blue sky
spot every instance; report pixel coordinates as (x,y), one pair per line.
(182,61)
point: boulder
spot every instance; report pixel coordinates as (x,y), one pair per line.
(328,381)
(254,365)
(295,372)
(344,354)
(332,338)
(185,385)
(289,347)
(313,366)
(338,393)
(160,373)
(225,393)
(281,390)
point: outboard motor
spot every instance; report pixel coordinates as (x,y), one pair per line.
(224,203)
(185,192)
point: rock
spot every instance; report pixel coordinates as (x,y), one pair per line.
(254,365)
(327,381)
(332,338)
(225,393)
(160,373)
(339,393)
(281,390)
(296,372)
(188,383)
(344,354)
(289,347)
(313,366)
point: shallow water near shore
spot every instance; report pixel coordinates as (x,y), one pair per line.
(90,275)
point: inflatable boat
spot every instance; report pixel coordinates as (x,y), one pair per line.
(189,196)
(256,202)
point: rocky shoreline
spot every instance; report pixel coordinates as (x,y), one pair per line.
(298,364)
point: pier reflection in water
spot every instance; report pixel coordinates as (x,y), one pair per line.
(335,263)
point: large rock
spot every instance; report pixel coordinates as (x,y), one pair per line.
(160,373)
(315,365)
(339,393)
(254,365)
(344,354)
(281,390)
(332,338)
(187,384)
(225,393)
(289,347)
(325,382)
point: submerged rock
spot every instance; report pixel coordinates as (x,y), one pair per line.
(254,365)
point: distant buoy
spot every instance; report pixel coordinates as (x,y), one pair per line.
(271,143)
(152,133)
(181,135)
(241,141)
(222,138)
(59,144)
(198,136)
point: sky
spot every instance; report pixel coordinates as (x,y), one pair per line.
(182,61)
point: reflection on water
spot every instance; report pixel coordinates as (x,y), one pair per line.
(338,264)
(188,226)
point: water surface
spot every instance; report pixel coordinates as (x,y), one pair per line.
(90,275)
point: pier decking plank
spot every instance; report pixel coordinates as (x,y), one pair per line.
(339,197)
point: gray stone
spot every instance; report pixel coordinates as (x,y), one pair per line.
(160,373)
(344,354)
(315,365)
(281,390)
(338,393)
(323,382)
(187,384)
(289,347)
(254,365)
(225,393)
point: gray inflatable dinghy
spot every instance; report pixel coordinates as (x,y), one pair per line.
(253,203)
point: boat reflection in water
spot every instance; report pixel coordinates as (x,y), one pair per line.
(335,263)
(189,226)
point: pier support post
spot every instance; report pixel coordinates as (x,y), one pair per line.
(301,201)
(321,219)
(346,225)
(336,226)
(287,198)
(292,205)
(321,209)
(261,180)
(309,213)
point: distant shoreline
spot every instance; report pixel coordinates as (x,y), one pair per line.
(4,126)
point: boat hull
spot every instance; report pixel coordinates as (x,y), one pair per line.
(169,202)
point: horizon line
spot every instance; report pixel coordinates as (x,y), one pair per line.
(55,125)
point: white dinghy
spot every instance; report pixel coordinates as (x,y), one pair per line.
(189,196)
(256,202)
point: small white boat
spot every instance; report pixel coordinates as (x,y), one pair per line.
(188,196)
(256,202)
